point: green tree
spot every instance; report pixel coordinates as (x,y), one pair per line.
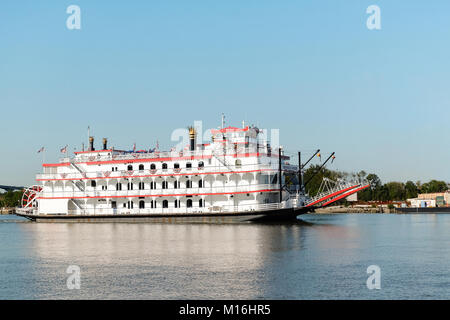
(411,190)
(396,190)
(11,198)
(434,186)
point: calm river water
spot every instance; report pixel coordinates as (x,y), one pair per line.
(320,257)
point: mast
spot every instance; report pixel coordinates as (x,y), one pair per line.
(300,175)
(279,174)
(320,168)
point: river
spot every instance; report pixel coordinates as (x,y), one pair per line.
(319,257)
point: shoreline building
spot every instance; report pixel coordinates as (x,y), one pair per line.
(430,200)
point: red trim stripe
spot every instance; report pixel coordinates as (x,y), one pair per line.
(242,155)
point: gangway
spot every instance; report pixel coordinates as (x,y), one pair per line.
(331,191)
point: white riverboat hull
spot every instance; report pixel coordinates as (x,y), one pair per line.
(231,217)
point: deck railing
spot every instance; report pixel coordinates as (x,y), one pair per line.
(156,172)
(185,210)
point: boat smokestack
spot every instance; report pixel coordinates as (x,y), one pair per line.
(105,143)
(192,135)
(91,144)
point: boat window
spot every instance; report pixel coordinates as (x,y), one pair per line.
(93,183)
(238,163)
(141,167)
(201,164)
(189,203)
(165,204)
(176,165)
(200,203)
(164,166)
(141,204)
(188,165)
(275,179)
(152,166)
(200,183)
(130,167)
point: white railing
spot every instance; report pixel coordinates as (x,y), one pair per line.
(158,192)
(218,150)
(153,172)
(194,210)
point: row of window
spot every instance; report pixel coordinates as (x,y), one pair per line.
(141,185)
(164,166)
(153,204)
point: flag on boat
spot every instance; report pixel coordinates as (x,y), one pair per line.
(40,150)
(332,159)
(64,150)
(151,150)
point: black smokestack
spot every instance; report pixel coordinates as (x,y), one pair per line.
(105,144)
(192,138)
(91,144)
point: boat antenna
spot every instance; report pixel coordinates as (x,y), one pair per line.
(223,121)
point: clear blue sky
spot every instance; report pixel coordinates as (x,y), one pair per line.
(139,69)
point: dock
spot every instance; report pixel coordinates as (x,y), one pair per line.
(6,210)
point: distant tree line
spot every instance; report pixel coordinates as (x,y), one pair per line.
(389,191)
(10,199)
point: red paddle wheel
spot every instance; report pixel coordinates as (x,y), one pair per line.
(29,196)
